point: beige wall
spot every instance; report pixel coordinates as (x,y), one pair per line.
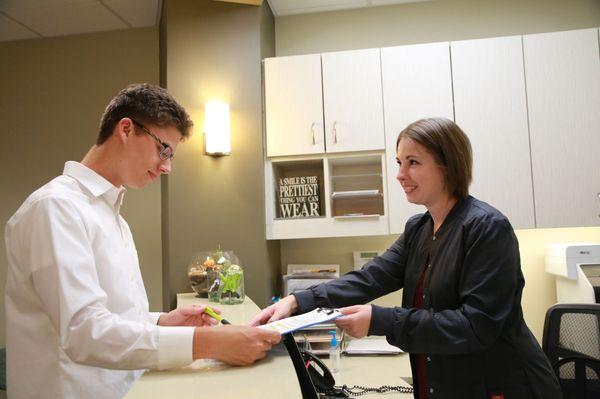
(214,50)
(433,21)
(429,21)
(52,94)
(540,290)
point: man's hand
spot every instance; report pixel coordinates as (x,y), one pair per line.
(234,345)
(279,310)
(190,315)
(356,320)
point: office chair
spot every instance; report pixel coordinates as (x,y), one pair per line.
(572,343)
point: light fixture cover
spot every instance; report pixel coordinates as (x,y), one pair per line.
(217,128)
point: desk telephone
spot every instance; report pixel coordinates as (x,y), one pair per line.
(317,382)
(321,377)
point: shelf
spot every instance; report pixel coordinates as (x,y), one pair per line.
(341,195)
(355,193)
(356,216)
(357,206)
(357,176)
(300,218)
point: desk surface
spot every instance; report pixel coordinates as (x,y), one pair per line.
(273,377)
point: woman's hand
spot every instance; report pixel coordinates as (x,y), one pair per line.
(356,320)
(190,315)
(279,310)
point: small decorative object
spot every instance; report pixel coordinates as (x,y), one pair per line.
(298,197)
(219,277)
(231,289)
(197,277)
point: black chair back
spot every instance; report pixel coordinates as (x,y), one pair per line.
(572,343)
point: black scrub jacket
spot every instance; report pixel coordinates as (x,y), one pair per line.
(471,328)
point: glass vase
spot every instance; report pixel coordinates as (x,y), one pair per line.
(231,288)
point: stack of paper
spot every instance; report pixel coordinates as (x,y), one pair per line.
(371,346)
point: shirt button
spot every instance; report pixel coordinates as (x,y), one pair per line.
(428,359)
(430,390)
(423,296)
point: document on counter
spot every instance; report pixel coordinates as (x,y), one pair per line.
(317,316)
(371,346)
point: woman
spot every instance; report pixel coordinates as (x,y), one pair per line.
(459,265)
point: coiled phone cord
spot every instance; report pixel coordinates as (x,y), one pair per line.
(357,390)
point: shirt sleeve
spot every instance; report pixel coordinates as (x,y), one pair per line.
(57,249)
(154,316)
(488,288)
(378,277)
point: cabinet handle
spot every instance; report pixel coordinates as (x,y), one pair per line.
(312,131)
(334,132)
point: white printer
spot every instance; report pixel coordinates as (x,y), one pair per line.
(577,270)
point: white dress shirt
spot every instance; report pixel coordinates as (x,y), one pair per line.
(77,315)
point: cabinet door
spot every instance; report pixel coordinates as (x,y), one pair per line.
(352,101)
(294,105)
(490,106)
(563,90)
(416,84)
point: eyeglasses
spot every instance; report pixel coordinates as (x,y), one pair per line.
(166,152)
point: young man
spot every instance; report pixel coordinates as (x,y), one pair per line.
(77,315)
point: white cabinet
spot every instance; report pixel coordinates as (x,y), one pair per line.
(294,105)
(563,90)
(416,84)
(530,106)
(352,101)
(490,106)
(350,167)
(346,100)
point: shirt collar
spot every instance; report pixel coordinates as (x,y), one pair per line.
(95,184)
(454,214)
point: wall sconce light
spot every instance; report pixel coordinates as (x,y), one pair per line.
(217,128)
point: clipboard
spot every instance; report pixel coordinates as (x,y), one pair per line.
(290,324)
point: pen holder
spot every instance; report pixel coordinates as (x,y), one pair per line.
(231,287)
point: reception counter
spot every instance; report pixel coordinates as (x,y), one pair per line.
(273,377)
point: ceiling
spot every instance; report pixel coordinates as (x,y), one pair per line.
(31,19)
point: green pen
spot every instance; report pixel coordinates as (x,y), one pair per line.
(208,310)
